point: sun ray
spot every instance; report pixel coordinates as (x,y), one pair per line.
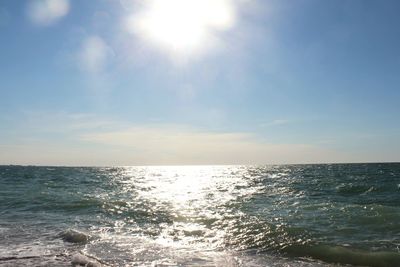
(182,26)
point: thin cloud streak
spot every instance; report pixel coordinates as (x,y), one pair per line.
(181,145)
(86,139)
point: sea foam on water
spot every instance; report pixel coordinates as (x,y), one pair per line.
(74,236)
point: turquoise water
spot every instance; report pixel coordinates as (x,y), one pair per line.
(288,215)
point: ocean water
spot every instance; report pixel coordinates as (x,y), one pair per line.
(288,215)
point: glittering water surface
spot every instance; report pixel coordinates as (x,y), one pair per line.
(292,215)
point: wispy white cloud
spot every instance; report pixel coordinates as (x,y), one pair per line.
(94,54)
(86,139)
(47,12)
(172,144)
(62,122)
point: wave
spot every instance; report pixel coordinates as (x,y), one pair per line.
(294,242)
(344,255)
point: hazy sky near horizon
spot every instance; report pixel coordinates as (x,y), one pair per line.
(199,81)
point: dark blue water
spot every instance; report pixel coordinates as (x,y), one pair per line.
(289,215)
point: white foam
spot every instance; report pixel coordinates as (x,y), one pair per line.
(74,236)
(82,260)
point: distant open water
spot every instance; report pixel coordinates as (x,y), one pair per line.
(288,215)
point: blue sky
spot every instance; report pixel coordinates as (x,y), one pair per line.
(262,82)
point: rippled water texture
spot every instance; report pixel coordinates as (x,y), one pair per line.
(292,215)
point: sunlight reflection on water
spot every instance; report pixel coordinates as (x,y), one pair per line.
(207,215)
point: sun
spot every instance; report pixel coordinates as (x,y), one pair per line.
(182,26)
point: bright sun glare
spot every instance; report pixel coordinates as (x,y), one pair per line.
(182,26)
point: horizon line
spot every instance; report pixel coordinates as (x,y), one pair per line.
(195,165)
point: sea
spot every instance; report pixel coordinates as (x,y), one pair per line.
(272,215)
